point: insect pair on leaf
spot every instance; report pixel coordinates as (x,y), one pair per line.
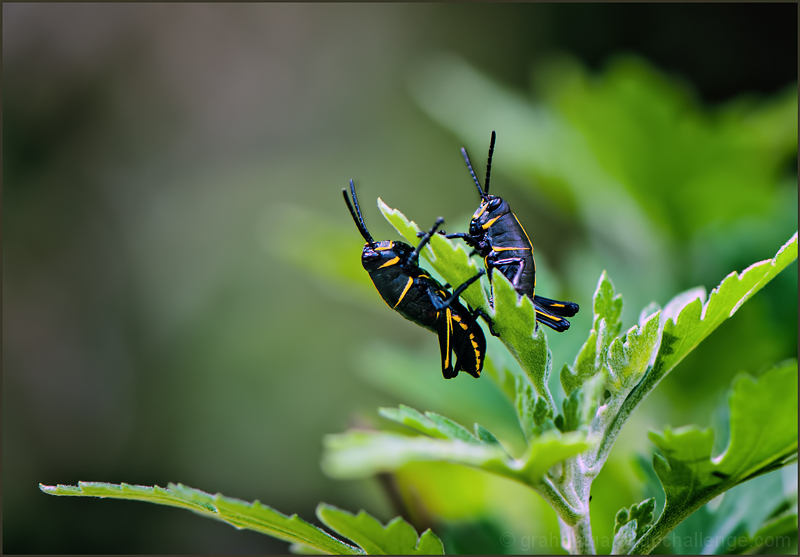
(497,236)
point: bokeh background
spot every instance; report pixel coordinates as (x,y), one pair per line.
(183,299)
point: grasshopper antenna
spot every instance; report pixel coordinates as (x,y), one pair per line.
(472,173)
(356,214)
(488,164)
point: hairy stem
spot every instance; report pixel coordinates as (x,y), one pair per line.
(575,486)
(577,538)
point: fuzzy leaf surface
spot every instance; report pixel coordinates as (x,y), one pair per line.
(607,306)
(624,538)
(630,524)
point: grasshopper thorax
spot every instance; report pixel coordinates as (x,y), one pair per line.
(490,210)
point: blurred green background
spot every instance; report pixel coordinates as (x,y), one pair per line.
(183,299)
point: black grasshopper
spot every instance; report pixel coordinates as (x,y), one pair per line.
(497,235)
(420,298)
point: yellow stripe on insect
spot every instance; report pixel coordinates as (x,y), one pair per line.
(393,261)
(457,319)
(523,230)
(449,333)
(390,246)
(549,316)
(408,285)
(477,352)
(508,249)
(491,222)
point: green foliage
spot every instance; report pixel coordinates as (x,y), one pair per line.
(631,112)
(646,171)
(630,524)
(697,320)
(687,324)
(763,437)
(239,514)
(357,454)
(741,519)
(691,188)
(396,538)
(433,424)
(370,537)
(564,452)
(607,325)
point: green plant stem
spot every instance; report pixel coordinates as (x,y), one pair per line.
(609,435)
(565,511)
(577,538)
(574,486)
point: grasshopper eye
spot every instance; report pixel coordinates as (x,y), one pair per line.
(495,203)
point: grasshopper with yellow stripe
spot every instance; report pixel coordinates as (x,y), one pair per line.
(414,294)
(496,234)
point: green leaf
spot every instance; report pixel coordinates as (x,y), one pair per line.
(396,538)
(630,524)
(357,454)
(485,435)
(515,322)
(763,437)
(580,407)
(607,307)
(240,514)
(606,370)
(589,361)
(740,519)
(624,538)
(548,450)
(628,114)
(624,361)
(694,322)
(430,423)
(697,319)
(628,359)
(412,376)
